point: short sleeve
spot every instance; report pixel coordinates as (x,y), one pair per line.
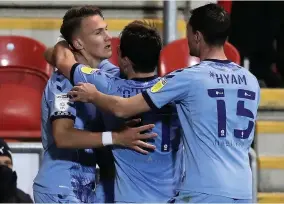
(99,78)
(61,107)
(174,87)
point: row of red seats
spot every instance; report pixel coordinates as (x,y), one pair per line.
(24,73)
(176,55)
(23,76)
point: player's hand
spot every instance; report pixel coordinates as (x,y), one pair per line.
(133,122)
(132,138)
(82,92)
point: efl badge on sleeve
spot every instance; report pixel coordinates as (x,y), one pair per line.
(61,102)
(88,70)
(158,86)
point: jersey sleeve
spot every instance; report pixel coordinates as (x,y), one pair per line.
(171,88)
(61,107)
(99,78)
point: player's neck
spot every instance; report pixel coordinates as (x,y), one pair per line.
(213,53)
(88,59)
(140,75)
(94,62)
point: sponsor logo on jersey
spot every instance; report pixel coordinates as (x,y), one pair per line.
(88,70)
(159,85)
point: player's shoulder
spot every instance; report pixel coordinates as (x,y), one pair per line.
(183,74)
(248,74)
(85,69)
(106,64)
(58,83)
(251,78)
(57,78)
(188,70)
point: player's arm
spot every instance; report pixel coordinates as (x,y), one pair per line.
(120,107)
(48,55)
(66,136)
(66,61)
(74,71)
(64,58)
(172,88)
(63,115)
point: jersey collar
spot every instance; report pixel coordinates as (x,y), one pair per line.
(145,78)
(218,60)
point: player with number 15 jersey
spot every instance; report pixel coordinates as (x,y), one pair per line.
(217,104)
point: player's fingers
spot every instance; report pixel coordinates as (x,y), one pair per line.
(145,127)
(140,150)
(75,99)
(147,136)
(72,93)
(133,122)
(145,145)
(75,88)
(80,83)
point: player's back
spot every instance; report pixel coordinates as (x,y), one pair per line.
(64,170)
(153,177)
(219,112)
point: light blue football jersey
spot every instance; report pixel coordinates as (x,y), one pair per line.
(67,171)
(64,171)
(142,178)
(217,103)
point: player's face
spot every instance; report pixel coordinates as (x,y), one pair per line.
(192,41)
(6,161)
(94,37)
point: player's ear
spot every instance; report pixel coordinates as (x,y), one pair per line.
(128,62)
(198,35)
(123,61)
(78,44)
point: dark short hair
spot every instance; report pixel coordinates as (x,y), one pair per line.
(142,44)
(73,18)
(213,22)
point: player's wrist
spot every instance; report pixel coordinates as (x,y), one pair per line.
(115,138)
(93,97)
(107,138)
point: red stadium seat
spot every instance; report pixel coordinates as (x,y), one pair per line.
(23,76)
(227,5)
(114,44)
(175,55)
(20,105)
(23,52)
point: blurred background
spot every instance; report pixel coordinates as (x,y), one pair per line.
(256,42)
